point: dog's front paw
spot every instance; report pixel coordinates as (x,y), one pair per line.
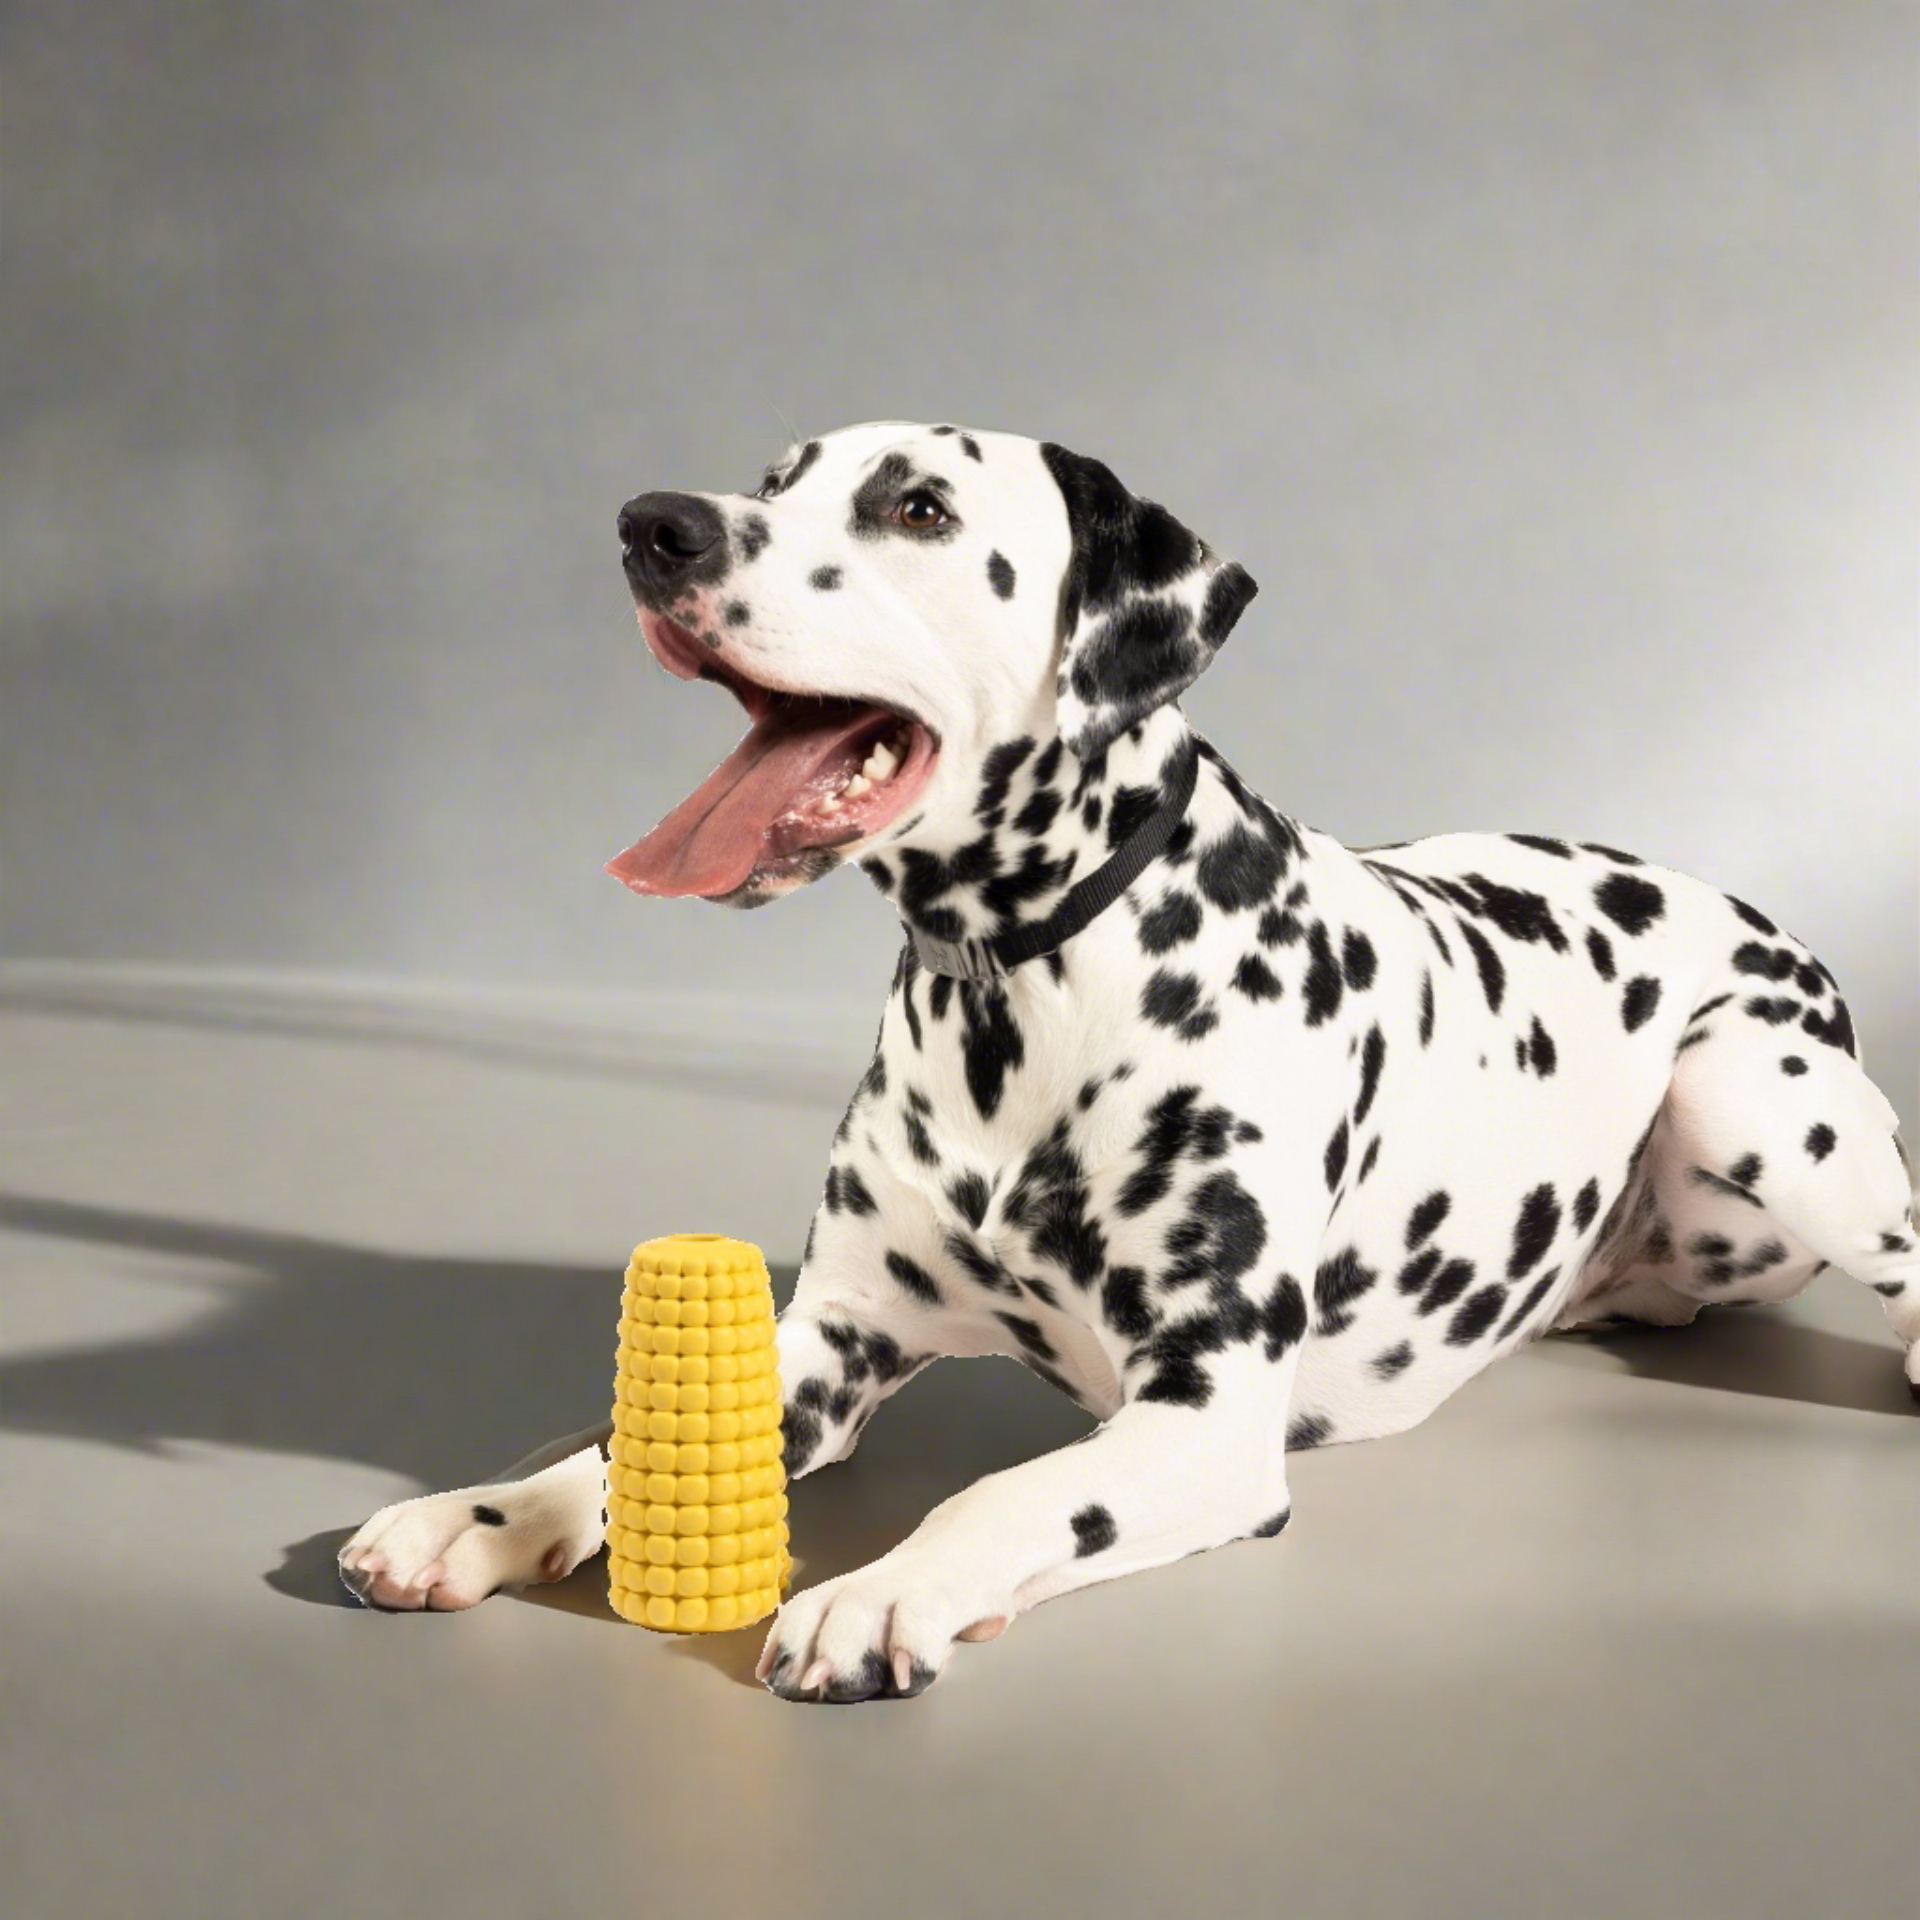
(447,1551)
(883,1632)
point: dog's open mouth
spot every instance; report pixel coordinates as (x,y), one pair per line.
(814,772)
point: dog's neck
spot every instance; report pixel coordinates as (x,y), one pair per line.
(1041,821)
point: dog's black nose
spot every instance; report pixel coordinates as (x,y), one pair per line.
(664,536)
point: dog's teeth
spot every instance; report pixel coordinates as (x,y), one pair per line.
(858,785)
(830,804)
(880,763)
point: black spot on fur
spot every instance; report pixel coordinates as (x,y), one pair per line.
(1586,1203)
(1324,983)
(1028,1333)
(489,1516)
(1836,1031)
(913,1277)
(1283,1319)
(1357,960)
(1446,1286)
(1123,1302)
(1534,1295)
(1540,843)
(1178,1377)
(1334,1160)
(914,1122)
(1541,1051)
(1425,1219)
(1337,1284)
(1278,928)
(1254,978)
(1218,1240)
(1395,1360)
(1745,1172)
(754,536)
(1821,1140)
(990,1041)
(1637,1004)
(969,1195)
(1533,1230)
(1793,1066)
(1426,1008)
(1419,1270)
(1373,1056)
(1130,810)
(1307,1431)
(824,579)
(1131,660)
(1174,1000)
(1170,922)
(847,1192)
(1477,1313)
(1049,1202)
(1631,903)
(1770,963)
(1240,869)
(1267,1529)
(1093,1531)
(800,1424)
(1002,762)
(1518,913)
(1176,1127)
(1493,975)
(1600,952)
(1043,805)
(1000,574)
(1752,916)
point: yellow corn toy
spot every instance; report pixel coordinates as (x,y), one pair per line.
(696,1494)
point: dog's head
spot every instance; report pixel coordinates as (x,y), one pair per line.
(890,605)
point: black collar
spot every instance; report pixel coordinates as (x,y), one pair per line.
(994,956)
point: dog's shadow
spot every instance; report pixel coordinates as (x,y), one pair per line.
(1748,1349)
(445,1370)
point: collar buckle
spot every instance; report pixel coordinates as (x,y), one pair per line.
(972,959)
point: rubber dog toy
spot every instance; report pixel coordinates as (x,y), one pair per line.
(696,1490)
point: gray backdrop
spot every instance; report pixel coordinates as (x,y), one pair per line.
(1552,366)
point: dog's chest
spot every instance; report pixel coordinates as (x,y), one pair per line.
(999,1099)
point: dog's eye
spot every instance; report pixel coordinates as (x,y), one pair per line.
(768,487)
(921,512)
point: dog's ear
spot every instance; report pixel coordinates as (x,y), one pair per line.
(1144,606)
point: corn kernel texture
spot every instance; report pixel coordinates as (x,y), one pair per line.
(696,1497)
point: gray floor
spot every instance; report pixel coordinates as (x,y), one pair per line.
(1632,1628)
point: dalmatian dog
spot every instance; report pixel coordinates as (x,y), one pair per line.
(1247,1141)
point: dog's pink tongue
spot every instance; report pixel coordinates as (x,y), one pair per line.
(715,837)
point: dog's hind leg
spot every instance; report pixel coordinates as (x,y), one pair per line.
(1795,1137)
